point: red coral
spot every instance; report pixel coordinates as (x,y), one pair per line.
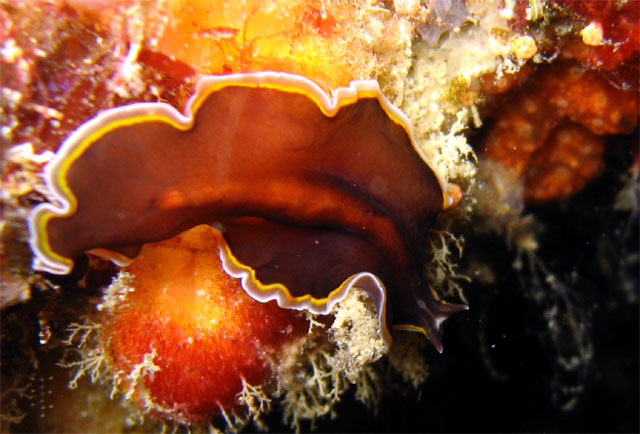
(60,66)
(618,54)
(620,26)
(615,51)
(547,132)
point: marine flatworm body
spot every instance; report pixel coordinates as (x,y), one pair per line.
(312,195)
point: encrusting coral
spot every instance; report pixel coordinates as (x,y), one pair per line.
(548,131)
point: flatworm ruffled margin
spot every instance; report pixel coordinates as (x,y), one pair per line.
(57,170)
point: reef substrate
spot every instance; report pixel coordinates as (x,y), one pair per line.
(530,108)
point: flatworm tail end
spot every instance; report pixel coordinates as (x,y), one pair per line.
(433,313)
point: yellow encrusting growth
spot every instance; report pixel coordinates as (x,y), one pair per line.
(592,34)
(523,46)
(439,97)
(315,39)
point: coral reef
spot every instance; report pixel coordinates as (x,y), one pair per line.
(527,112)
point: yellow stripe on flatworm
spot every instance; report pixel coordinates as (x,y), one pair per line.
(414,328)
(321,304)
(291,88)
(61,177)
(411,327)
(193,105)
(43,242)
(341,102)
(279,287)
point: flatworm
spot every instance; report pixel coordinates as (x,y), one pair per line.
(312,195)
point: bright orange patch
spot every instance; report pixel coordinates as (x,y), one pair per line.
(300,37)
(208,334)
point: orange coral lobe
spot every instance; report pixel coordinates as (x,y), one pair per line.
(570,158)
(549,132)
(206,333)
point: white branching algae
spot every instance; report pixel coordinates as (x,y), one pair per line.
(356,333)
(314,376)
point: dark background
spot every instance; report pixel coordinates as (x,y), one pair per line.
(500,370)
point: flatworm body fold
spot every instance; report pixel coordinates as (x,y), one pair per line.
(312,195)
